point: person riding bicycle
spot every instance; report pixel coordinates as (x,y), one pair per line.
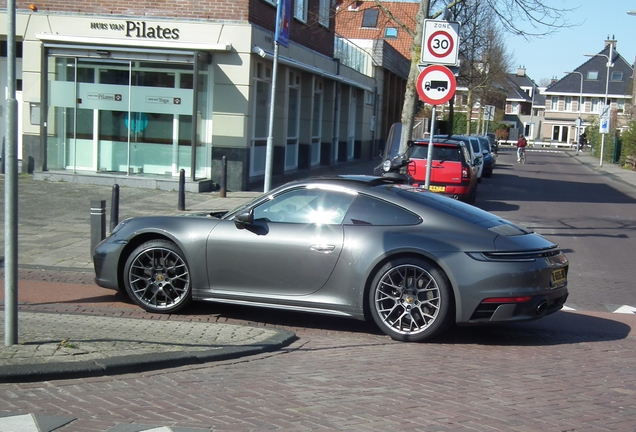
(521,147)
(582,141)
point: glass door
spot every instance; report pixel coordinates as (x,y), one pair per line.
(121,116)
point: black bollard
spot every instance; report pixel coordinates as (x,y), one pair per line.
(98,223)
(114,207)
(3,157)
(223,191)
(181,206)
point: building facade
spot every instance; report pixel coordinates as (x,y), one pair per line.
(525,106)
(131,96)
(583,92)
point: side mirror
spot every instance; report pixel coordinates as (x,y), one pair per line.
(410,143)
(243,219)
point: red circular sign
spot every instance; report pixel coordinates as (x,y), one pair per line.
(440,44)
(436,85)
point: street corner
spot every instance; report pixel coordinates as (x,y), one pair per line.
(62,346)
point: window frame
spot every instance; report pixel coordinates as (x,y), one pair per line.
(300,10)
(367,17)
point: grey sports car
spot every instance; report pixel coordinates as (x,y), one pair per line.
(355,246)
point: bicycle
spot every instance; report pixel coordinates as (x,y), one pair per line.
(521,155)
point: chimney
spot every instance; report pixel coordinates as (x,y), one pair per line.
(611,41)
(521,71)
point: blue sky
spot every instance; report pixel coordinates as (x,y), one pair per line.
(550,56)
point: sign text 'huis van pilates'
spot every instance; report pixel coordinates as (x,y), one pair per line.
(139,29)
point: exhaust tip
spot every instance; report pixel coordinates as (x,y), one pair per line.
(543,306)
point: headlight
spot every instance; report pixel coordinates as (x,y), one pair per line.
(119,226)
(386,165)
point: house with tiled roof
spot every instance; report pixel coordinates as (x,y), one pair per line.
(582,94)
(388,21)
(373,39)
(525,105)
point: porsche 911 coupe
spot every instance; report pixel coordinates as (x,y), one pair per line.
(364,247)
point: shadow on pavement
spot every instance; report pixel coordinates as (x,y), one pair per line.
(563,327)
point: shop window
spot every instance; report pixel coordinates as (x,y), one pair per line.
(3,49)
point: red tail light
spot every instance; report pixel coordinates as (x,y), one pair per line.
(464,172)
(507,299)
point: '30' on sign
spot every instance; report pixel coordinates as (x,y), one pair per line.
(440,43)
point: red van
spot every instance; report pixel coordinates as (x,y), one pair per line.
(451,172)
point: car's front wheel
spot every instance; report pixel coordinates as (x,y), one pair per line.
(411,300)
(157,277)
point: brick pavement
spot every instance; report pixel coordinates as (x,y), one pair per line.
(514,378)
(569,371)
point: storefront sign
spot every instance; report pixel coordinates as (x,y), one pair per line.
(163,100)
(104,96)
(139,29)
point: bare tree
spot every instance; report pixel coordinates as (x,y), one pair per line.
(527,18)
(483,56)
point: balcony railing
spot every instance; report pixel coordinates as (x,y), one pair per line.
(352,56)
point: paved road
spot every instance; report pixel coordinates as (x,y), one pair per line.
(570,371)
(592,217)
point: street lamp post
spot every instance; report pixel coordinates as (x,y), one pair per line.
(609,65)
(578,124)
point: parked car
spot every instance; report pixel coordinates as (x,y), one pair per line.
(489,159)
(365,247)
(451,171)
(473,147)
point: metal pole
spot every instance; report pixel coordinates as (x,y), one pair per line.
(181,204)
(98,223)
(11,191)
(114,207)
(223,191)
(609,61)
(578,126)
(429,156)
(269,154)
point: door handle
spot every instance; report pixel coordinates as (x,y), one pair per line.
(323,248)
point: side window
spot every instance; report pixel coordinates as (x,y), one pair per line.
(370,211)
(306,206)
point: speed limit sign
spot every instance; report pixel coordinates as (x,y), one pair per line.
(440,43)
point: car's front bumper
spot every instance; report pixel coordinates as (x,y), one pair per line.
(105,261)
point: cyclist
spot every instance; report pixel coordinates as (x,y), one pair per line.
(521,147)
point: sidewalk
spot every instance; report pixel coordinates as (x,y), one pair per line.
(54,235)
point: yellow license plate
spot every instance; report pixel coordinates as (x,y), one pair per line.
(437,188)
(559,278)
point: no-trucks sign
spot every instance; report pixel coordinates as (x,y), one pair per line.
(436,85)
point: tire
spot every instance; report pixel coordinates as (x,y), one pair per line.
(157,277)
(410,300)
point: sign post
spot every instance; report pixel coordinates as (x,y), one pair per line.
(436,85)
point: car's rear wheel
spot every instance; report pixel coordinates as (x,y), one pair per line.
(157,277)
(411,300)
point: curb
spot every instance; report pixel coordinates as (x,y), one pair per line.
(139,363)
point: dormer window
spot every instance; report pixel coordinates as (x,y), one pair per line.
(370,18)
(390,33)
(592,75)
(617,76)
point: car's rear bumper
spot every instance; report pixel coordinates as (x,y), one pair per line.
(536,307)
